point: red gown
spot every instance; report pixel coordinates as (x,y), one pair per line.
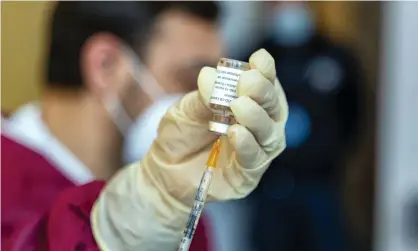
(42,210)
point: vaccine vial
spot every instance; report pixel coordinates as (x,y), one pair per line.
(224,91)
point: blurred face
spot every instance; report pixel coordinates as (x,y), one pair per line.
(182,45)
(111,73)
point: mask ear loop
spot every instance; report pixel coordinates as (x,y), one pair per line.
(144,78)
(148,85)
(118,113)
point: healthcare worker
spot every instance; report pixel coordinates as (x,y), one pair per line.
(97,86)
(67,139)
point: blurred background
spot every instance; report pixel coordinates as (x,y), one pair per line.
(343,66)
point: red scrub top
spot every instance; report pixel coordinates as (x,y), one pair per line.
(41,210)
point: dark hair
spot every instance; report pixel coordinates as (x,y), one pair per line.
(74,22)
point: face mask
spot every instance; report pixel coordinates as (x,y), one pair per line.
(148,84)
(293,25)
(142,133)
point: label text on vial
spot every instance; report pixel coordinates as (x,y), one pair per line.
(225,89)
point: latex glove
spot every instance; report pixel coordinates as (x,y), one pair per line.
(145,207)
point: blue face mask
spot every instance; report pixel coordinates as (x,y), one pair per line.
(293,25)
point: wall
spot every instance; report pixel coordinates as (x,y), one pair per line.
(396,214)
(23,40)
(22,49)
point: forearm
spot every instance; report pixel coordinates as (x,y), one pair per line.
(132,213)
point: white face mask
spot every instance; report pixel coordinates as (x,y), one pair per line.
(148,84)
(293,25)
(142,133)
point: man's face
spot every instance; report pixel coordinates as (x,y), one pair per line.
(182,45)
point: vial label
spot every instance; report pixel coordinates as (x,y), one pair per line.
(225,89)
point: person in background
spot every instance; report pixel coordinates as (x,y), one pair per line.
(100,78)
(297,205)
(175,60)
(67,139)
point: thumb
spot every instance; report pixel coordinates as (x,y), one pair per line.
(206,82)
(194,106)
(192,109)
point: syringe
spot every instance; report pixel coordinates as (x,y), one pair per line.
(200,198)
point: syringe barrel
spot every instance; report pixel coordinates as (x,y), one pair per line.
(197,209)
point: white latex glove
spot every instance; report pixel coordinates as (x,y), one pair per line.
(145,206)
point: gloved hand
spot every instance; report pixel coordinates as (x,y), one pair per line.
(145,207)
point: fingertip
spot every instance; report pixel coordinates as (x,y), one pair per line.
(207,77)
(207,69)
(261,56)
(206,73)
(205,82)
(264,61)
(252,83)
(252,76)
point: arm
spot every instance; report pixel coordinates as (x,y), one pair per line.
(145,206)
(136,212)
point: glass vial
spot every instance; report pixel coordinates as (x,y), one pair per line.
(224,91)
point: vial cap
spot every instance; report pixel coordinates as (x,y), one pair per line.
(235,64)
(217,127)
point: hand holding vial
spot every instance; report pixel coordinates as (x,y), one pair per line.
(224,93)
(165,182)
(260,111)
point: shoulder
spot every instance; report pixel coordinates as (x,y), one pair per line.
(13,148)
(28,180)
(15,153)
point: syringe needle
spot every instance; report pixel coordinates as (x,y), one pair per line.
(200,198)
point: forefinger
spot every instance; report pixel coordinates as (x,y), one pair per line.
(264,62)
(253,84)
